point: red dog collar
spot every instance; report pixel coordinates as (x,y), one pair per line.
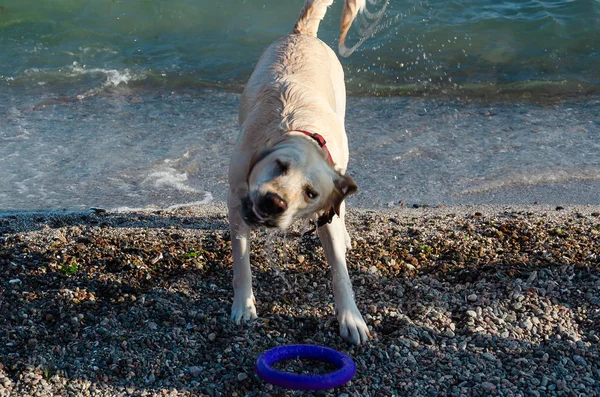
(320,140)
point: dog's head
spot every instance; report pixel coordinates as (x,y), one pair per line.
(293,181)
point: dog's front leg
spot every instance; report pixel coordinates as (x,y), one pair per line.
(352,325)
(243,307)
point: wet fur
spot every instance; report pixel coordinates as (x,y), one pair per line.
(274,172)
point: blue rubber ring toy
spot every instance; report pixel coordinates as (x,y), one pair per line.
(288,380)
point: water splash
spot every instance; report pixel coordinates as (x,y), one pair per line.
(274,237)
(112,78)
(306,225)
(369,23)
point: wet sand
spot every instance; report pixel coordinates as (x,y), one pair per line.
(141,148)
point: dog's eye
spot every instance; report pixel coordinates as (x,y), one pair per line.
(311,194)
(283,166)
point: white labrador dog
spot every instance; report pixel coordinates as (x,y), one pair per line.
(291,156)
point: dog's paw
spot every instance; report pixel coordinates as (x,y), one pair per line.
(243,309)
(352,326)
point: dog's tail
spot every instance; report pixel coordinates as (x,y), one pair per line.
(310,16)
(351,9)
(314,10)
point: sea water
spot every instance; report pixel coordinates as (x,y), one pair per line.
(133,104)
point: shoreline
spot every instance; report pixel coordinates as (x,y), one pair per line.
(27,219)
(473,300)
(415,150)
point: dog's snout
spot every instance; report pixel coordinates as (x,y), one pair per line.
(272,204)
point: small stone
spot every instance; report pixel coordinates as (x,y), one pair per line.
(195,371)
(488,356)
(472,313)
(400,291)
(527,324)
(301,259)
(532,277)
(14,281)
(579,360)
(150,378)
(472,297)
(488,386)
(212,336)
(242,376)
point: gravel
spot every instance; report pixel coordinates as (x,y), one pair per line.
(461,301)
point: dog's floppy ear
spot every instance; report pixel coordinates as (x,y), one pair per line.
(344,186)
(258,157)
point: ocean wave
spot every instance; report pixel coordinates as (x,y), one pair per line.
(169,178)
(76,77)
(477,47)
(85,82)
(208,199)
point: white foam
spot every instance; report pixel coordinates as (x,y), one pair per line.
(169,178)
(208,198)
(113,77)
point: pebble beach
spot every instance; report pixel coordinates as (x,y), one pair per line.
(473,133)
(461,301)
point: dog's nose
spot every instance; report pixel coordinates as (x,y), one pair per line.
(272,204)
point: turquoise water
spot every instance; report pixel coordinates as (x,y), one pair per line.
(443,47)
(133,104)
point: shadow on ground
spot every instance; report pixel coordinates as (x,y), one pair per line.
(143,310)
